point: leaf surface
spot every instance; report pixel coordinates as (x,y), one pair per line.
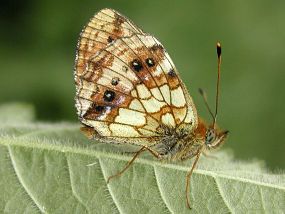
(53,168)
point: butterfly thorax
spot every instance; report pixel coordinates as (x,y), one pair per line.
(183,143)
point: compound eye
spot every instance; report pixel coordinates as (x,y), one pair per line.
(210,136)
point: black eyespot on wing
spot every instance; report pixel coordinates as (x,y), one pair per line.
(150,62)
(172,73)
(99,108)
(109,96)
(115,81)
(110,39)
(94,111)
(136,65)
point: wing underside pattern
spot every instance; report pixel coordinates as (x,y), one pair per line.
(128,89)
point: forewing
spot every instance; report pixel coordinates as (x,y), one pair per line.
(129,90)
(106,26)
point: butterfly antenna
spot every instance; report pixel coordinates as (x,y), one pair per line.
(219,54)
(204,95)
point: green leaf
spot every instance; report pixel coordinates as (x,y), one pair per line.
(53,168)
(16,112)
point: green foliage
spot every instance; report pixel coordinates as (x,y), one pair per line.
(37,51)
(52,168)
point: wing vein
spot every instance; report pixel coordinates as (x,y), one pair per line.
(164,76)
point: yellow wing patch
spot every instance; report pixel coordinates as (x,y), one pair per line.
(127,116)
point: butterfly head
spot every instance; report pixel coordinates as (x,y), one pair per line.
(214,137)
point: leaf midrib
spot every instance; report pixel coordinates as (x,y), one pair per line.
(98,154)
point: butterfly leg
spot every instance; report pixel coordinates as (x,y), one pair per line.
(188,179)
(144,148)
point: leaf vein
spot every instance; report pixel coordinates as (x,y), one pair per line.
(262,199)
(71,185)
(109,190)
(222,194)
(39,206)
(159,188)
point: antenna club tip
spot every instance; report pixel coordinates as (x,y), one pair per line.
(219,49)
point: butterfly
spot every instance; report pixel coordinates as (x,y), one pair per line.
(128,91)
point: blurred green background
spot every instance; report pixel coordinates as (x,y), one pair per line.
(37,51)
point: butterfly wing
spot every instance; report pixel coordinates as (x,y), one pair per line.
(107,25)
(128,89)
